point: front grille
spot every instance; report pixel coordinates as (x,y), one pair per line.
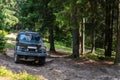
(40,51)
(32,50)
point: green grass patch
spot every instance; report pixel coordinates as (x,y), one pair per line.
(99,56)
(92,56)
(100,50)
(59,45)
(20,76)
(62,46)
(9,45)
(103,58)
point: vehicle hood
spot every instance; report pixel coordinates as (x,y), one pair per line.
(30,43)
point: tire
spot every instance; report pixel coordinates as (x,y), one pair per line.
(16,58)
(42,61)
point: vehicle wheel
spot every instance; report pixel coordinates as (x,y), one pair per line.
(16,58)
(42,61)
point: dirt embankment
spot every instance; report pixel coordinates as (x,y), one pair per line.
(61,68)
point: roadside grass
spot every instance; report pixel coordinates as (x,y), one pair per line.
(9,45)
(93,56)
(20,76)
(59,45)
(99,55)
(9,42)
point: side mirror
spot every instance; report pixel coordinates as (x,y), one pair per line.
(17,39)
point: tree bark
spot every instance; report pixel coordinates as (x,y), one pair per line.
(117,58)
(108,30)
(83,37)
(93,40)
(51,40)
(93,21)
(75,26)
(49,19)
(76,43)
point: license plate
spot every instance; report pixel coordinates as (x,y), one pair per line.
(32,47)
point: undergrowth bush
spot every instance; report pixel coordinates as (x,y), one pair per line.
(3,32)
(4,72)
(92,56)
(21,76)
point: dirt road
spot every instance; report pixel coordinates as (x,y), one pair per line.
(61,68)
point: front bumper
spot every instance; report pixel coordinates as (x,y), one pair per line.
(34,54)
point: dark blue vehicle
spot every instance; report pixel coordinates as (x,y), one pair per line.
(30,45)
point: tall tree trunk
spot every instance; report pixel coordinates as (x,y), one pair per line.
(117,58)
(108,30)
(83,37)
(49,19)
(93,9)
(80,33)
(51,40)
(75,26)
(93,40)
(76,43)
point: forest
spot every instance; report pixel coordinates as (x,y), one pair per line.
(78,24)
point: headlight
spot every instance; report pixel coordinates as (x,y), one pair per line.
(18,48)
(42,49)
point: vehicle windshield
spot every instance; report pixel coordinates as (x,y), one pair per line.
(30,37)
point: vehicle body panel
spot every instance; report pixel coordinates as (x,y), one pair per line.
(29,44)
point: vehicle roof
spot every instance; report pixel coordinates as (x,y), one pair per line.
(26,31)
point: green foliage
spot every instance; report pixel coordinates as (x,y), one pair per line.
(29,14)
(7,14)
(44,15)
(67,38)
(3,32)
(4,72)
(10,20)
(21,76)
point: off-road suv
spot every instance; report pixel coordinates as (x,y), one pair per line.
(29,45)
